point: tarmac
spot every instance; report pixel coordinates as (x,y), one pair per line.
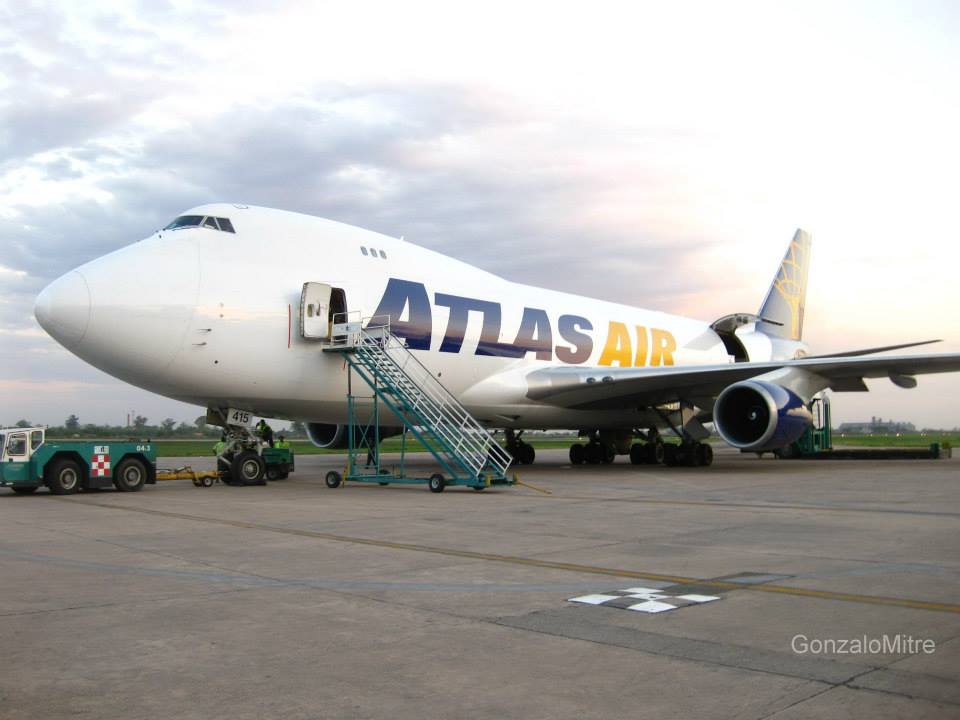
(836,586)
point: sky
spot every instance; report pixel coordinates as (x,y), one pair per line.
(655,154)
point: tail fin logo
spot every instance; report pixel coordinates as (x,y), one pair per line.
(782,309)
(791,284)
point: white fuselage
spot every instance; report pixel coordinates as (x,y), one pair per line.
(212,318)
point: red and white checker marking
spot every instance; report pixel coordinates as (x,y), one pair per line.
(100,465)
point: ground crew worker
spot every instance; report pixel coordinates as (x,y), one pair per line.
(266,432)
(220,446)
(282,443)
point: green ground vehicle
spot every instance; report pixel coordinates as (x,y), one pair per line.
(67,466)
(278,461)
(817,438)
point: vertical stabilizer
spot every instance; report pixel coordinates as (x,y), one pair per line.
(782,310)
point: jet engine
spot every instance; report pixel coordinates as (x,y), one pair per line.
(336,437)
(758,416)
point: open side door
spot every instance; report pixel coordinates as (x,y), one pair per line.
(321,305)
(315,311)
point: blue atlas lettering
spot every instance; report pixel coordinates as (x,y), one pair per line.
(403,295)
(569,327)
(535,334)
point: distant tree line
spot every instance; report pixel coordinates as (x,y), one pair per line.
(141,428)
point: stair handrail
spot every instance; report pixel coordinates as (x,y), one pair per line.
(357,331)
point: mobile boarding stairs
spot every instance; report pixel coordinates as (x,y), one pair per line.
(466,451)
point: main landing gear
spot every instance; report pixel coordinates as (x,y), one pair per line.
(691,454)
(594,452)
(651,452)
(522,452)
(603,447)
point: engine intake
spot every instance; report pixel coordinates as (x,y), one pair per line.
(337,437)
(758,416)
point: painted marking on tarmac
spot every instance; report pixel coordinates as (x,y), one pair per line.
(547,564)
(758,506)
(651,600)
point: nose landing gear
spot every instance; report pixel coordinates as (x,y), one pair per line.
(523,453)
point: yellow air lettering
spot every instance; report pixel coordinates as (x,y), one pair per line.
(663,346)
(618,348)
(641,358)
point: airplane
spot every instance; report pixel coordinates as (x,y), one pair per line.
(210,310)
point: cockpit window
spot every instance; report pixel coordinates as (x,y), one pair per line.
(185,221)
(214,223)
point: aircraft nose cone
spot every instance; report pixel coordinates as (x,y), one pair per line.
(63,308)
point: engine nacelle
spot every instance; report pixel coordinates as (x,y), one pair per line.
(758,416)
(337,437)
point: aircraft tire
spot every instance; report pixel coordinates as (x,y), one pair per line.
(704,455)
(670,455)
(655,452)
(593,453)
(527,453)
(226,473)
(130,475)
(639,454)
(249,469)
(608,453)
(578,454)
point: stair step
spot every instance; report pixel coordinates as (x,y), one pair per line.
(424,402)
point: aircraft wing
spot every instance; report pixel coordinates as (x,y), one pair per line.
(607,388)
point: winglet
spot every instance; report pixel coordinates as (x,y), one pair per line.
(781,313)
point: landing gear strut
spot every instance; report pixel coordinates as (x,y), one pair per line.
(690,452)
(522,452)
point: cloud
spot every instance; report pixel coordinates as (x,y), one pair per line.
(612,159)
(11,273)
